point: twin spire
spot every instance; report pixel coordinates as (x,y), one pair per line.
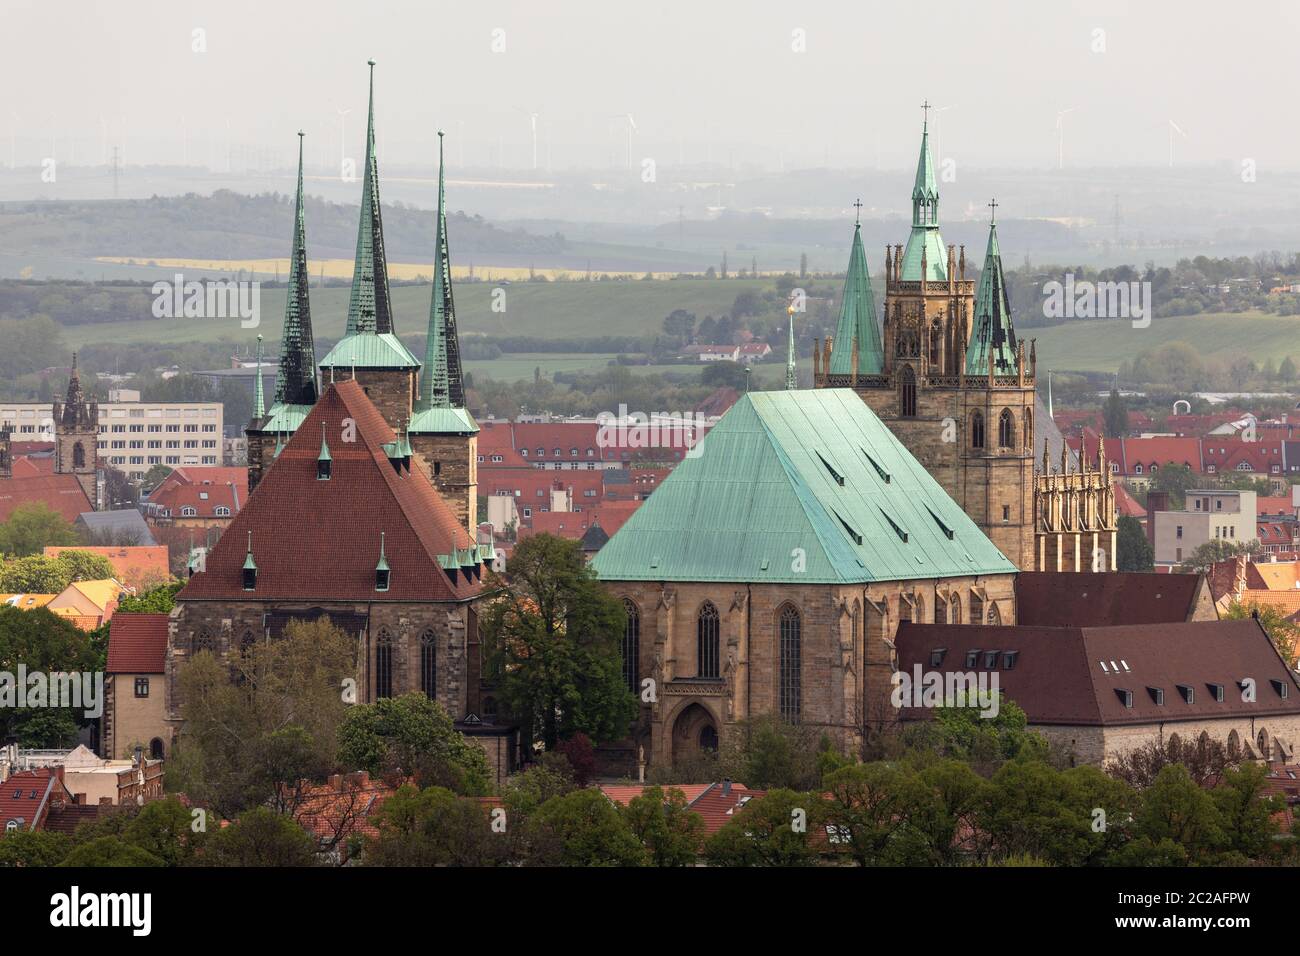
(295,382)
(442,385)
(370,306)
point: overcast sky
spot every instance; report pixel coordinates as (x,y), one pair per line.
(716,79)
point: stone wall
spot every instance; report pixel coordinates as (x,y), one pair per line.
(451,463)
(1097,745)
(131,720)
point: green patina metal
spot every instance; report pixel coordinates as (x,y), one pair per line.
(443,384)
(925,235)
(295,382)
(799,487)
(993,333)
(857,319)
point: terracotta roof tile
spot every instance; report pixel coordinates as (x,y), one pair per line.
(314,539)
(63,493)
(137,643)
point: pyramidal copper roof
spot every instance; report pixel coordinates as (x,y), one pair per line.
(319,540)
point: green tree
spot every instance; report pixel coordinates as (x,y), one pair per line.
(158,600)
(1115,414)
(261,837)
(412,735)
(85,565)
(34,574)
(553,636)
(582,828)
(162,828)
(772,830)
(255,739)
(1246,812)
(32,527)
(1281,630)
(768,753)
(108,851)
(667,828)
(964,734)
(42,641)
(1177,809)
(1133,552)
(1287,370)
(1214,551)
(525,792)
(723,375)
(433,827)
(872,807)
(154,477)
(34,848)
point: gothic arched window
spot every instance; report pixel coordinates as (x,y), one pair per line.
(1006,429)
(631,645)
(204,641)
(954,609)
(995,616)
(429,665)
(907,398)
(78,456)
(790,692)
(384,664)
(706,641)
(1029,430)
(936,339)
(977,430)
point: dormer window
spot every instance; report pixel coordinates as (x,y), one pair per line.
(1157,695)
(936,656)
(382,572)
(1009,659)
(1280,686)
(990,660)
(1187,692)
(972,658)
(1216,690)
(250,567)
(324,461)
(1125,696)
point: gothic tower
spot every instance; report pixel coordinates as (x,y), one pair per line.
(370,350)
(296,389)
(948,375)
(76,436)
(6,450)
(1076,522)
(442,432)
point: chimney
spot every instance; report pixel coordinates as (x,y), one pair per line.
(137,757)
(726,786)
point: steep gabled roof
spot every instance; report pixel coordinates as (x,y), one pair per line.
(137,643)
(443,383)
(992,333)
(295,381)
(320,540)
(799,487)
(1054,599)
(61,493)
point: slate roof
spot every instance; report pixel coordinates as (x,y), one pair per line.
(1058,675)
(1062,599)
(137,643)
(118,523)
(799,487)
(319,540)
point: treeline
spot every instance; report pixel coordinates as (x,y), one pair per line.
(229,225)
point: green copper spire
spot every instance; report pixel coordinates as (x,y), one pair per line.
(791,371)
(370,307)
(992,333)
(925,238)
(295,382)
(442,385)
(857,319)
(259,400)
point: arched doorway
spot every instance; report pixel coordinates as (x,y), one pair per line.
(694,730)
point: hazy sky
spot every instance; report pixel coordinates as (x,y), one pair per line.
(705,79)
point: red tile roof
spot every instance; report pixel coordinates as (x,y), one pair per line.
(716,803)
(1274,506)
(137,643)
(131,563)
(343,805)
(1126,504)
(27,796)
(28,466)
(62,493)
(315,539)
(1224,453)
(1057,677)
(1145,452)
(1065,599)
(66,817)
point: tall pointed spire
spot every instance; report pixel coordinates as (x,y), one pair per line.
(370,307)
(993,339)
(442,384)
(926,257)
(259,399)
(791,370)
(295,382)
(857,318)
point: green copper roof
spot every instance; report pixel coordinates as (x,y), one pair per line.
(992,327)
(925,224)
(295,382)
(285,418)
(443,383)
(791,369)
(368,350)
(799,487)
(443,421)
(383,559)
(259,399)
(370,307)
(857,319)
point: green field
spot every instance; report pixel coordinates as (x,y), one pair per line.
(1100,345)
(517,366)
(550,310)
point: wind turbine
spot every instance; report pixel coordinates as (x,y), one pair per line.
(1060,136)
(532,120)
(13,139)
(631,128)
(1174,128)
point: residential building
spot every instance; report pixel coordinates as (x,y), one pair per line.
(135,712)
(1209,515)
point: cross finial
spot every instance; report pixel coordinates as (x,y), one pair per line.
(925,113)
(857,216)
(993,205)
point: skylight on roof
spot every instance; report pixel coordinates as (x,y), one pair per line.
(857,538)
(838,478)
(884,475)
(948,532)
(902,535)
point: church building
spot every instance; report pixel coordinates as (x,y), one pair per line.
(769,572)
